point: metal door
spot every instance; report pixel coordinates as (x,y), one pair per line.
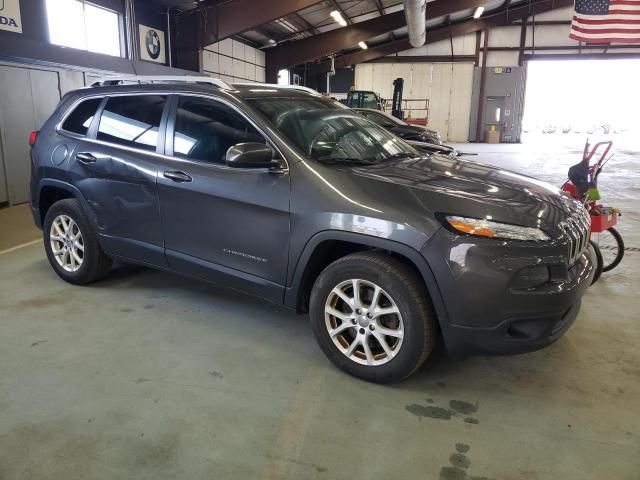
(494,114)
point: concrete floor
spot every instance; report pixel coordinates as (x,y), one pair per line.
(150,376)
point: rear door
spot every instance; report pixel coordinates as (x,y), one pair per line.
(115,167)
(229,225)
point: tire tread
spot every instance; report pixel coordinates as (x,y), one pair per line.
(416,290)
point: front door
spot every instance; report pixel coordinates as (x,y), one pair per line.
(115,169)
(229,225)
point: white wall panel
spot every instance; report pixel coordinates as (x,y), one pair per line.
(226,65)
(504,36)
(237,50)
(364,76)
(440,98)
(447,87)
(250,54)
(550,35)
(382,78)
(226,47)
(260,60)
(559,14)
(460,106)
(39,92)
(502,59)
(462,45)
(238,68)
(250,71)
(236,61)
(210,61)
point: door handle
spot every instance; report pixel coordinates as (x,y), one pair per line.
(177,176)
(85,157)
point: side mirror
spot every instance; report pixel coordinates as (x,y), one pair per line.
(249,155)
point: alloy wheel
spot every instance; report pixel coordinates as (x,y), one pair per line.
(364,322)
(67,244)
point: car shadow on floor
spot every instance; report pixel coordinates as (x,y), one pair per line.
(178,291)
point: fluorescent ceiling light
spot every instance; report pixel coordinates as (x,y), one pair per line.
(337,16)
(362,45)
(478,12)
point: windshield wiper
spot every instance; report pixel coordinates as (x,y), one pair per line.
(349,161)
(398,156)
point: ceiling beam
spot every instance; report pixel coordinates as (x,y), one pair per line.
(379,6)
(427,59)
(497,18)
(223,20)
(312,48)
(584,56)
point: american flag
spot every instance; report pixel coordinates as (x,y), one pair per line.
(606,21)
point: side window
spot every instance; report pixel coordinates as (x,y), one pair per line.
(369,100)
(205,129)
(133,121)
(80,119)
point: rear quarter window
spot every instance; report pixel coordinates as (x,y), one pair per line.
(81,117)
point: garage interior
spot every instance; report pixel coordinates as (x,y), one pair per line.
(147,374)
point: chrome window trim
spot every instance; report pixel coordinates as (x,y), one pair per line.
(59,130)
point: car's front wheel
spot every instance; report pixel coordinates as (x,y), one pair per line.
(71,244)
(371,316)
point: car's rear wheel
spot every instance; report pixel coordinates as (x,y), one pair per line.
(71,244)
(371,316)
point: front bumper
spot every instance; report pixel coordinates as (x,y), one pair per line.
(488,310)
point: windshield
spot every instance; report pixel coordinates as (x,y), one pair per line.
(326,131)
(382,119)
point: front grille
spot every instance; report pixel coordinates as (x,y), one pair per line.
(576,229)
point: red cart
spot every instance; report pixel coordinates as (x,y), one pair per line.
(605,238)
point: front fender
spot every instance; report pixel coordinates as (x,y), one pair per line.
(292,291)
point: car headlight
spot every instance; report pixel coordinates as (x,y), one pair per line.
(491,229)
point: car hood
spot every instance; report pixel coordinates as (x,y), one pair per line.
(431,147)
(411,129)
(462,187)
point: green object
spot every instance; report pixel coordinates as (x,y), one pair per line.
(593,194)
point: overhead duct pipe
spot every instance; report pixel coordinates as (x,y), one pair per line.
(415,12)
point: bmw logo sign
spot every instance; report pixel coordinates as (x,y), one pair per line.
(152,42)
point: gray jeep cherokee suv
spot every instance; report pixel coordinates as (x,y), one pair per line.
(297,199)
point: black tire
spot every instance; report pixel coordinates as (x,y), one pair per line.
(401,285)
(613,245)
(598,255)
(95,264)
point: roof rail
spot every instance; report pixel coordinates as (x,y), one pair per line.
(115,80)
(290,87)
